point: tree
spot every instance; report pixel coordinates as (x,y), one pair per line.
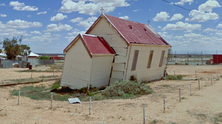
(12,48)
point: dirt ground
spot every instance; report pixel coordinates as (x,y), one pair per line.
(202,107)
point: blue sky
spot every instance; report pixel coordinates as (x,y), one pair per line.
(48,26)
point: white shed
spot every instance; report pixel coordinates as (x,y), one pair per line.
(32,59)
(139,51)
(88,62)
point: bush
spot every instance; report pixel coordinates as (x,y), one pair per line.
(56,85)
(39,93)
(171,77)
(126,89)
(44,57)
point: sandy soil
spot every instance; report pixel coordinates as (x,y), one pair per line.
(11,73)
(200,108)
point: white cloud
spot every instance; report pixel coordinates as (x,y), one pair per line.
(78,19)
(46,38)
(91,7)
(159,26)
(22,7)
(2,4)
(3,15)
(184,1)
(162,16)
(204,12)
(136,10)
(182,26)
(200,16)
(219,26)
(9,32)
(58,17)
(88,22)
(21,24)
(76,32)
(209,5)
(35,32)
(219,33)
(192,35)
(124,17)
(165,35)
(39,13)
(59,27)
(176,17)
(178,37)
(209,30)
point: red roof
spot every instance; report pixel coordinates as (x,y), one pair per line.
(96,45)
(134,32)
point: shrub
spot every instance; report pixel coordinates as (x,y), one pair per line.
(171,77)
(56,85)
(126,89)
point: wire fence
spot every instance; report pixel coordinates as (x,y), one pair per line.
(191,89)
(195,58)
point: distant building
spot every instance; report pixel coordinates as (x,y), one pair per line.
(114,49)
(32,59)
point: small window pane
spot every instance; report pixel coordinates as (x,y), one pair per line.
(135,57)
(150,59)
(161,59)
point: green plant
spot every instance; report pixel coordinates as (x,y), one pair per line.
(56,85)
(39,93)
(154,121)
(171,77)
(126,89)
(44,57)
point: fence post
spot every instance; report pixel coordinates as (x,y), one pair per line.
(144,113)
(174,72)
(211,80)
(51,99)
(199,83)
(190,89)
(164,103)
(195,73)
(42,78)
(31,74)
(90,100)
(19,96)
(179,96)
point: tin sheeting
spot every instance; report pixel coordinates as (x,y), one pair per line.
(136,33)
(74,100)
(96,45)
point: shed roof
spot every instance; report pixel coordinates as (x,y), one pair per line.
(94,44)
(33,54)
(133,32)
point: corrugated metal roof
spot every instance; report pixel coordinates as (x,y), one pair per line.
(33,54)
(134,32)
(96,45)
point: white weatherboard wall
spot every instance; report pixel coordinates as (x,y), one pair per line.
(101,68)
(105,30)
(142,73)
(77,67)
(32,61)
